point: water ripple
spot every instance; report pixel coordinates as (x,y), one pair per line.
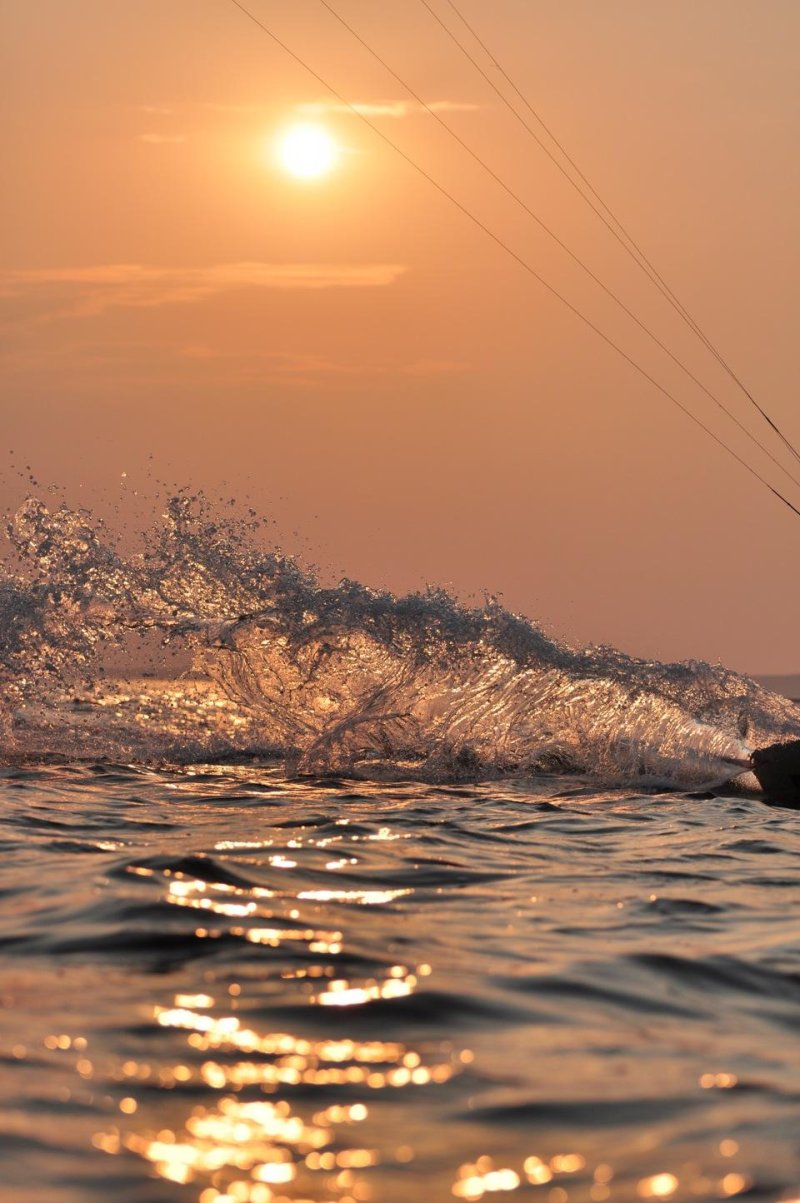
(222,984)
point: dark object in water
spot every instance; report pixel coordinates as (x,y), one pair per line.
(778,771)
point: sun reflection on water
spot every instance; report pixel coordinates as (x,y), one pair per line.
(340,993)
(362,897)
(256,1150)
(481,1178)
(248,1142)
(289,1117)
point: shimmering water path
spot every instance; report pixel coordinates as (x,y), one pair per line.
(219,985)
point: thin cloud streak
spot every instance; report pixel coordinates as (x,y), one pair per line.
(390,108)
(161,139)
(94,367)
(46,293)
(321,108)
(287,363)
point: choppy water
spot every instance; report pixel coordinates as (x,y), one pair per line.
(221,984)
(381,900)
(343,678)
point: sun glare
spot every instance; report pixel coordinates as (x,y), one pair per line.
(307,151)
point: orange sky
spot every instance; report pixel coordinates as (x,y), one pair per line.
(357,357)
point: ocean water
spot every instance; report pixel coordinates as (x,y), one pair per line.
(378,898)
(218,983)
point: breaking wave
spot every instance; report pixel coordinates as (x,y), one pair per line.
(342,679)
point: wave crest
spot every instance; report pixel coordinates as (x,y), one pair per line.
(343,678)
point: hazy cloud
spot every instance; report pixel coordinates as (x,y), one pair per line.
(290,363)
(321,108)
(45,293)
(161,139)
(237,109)
(82,368)
(389,108)
(248,367)
(434,367)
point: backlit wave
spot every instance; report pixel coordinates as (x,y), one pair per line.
(339,679)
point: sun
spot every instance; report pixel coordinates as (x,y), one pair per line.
(307,151)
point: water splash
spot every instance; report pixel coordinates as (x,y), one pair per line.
(334,679)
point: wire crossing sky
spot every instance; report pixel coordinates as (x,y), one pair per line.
(576,258)
(220,274)
(629,244)
(527,266)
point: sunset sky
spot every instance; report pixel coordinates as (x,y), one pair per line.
(352,353)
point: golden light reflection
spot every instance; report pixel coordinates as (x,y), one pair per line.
(341,994)
(567,1163)
(376,1064)
(241,1148)
(327,943)
(355,1114)
(282,862)
(718,1081)
(262,1138)
(481,1178)
(658,1186)
(308,971)
(383,835)
(181,887)
(362,897)
(234,1149)
(734,1184)
(201,895)
(537,1171)
(241,845)
(267,1151)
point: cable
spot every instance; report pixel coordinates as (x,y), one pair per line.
(640,262)
(551,233)
(509,251)
(631,247)
(633,250)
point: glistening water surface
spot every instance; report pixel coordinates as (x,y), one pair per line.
(219,984)
(438,935)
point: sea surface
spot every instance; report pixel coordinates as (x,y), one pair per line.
(221,984)
(357,897)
